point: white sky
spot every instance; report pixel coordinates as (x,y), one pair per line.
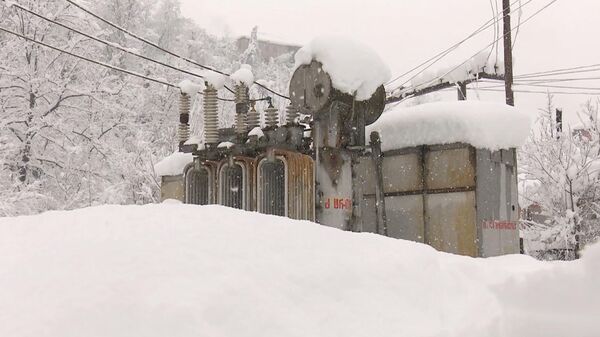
(407,32)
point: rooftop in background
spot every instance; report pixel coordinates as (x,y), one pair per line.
(268,46)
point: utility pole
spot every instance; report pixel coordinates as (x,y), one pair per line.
(461,88)
(508,65)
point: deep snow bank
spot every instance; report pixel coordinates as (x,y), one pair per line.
(182,270)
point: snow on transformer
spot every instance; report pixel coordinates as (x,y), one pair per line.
(442,174)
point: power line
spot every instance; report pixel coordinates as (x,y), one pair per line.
(565,72)
(557,80)
(547,86)
(544,92)
(107,43)
(493,21)
(106,65)
(103,64)
(518,24)
(139,38)
(560,70)
(467,60)
(494,16)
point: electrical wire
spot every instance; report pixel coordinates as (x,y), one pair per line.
(489,45)
(545,86)
(107,43)
(518,24)
(494,43)
(498,25)
(139,38)
(565,71)
(556,80)
(445,52)
(544,92)
(494,16)
(103,64)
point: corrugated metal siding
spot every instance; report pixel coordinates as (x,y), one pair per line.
(231,186)
(272,180)
(450,222)
(197,186)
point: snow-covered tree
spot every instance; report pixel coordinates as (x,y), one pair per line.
(560,174)
(73,134)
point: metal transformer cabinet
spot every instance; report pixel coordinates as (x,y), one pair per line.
(454,197)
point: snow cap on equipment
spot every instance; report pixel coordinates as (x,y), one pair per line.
(353,67)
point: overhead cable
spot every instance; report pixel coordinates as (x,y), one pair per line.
(100,63)
(137,37)
(445,52)
(489,45)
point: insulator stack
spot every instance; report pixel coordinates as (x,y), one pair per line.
(291,115)
(241,124)
(271,116)
(241,108)
(211,115)
(253,118)
(183,132)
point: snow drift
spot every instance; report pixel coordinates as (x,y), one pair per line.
(183,270)
(484,125)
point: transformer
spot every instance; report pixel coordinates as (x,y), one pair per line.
(454,197)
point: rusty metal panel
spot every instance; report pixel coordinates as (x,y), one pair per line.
(405,217)
(272,187)
(300,183)
(171,187)
(450,222)
(450,168)
(402,173)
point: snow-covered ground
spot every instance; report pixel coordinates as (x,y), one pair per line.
(181,270)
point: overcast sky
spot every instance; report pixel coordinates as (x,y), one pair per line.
(407,32)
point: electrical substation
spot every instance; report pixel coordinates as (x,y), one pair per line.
(324,162)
